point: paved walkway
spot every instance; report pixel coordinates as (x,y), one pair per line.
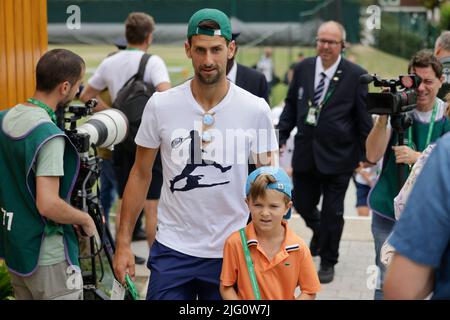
(354,274)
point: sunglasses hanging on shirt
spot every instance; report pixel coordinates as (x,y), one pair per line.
(208,122)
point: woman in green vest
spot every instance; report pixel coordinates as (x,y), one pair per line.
(38,171)
(429,123)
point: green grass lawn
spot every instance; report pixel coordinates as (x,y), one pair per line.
(180,68)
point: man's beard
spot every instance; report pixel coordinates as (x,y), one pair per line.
(213,79)
(64,103)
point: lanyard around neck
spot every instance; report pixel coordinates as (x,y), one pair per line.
(42,105)
(251,269)
(430,128)
(327,95)
(329,92)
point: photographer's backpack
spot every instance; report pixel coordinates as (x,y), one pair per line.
(131,100)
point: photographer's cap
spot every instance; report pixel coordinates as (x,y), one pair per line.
(209,14)
(283,182)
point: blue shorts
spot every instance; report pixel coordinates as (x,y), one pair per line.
(177,276)
(362,192)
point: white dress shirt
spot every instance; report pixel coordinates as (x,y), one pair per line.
(233,72)
(329,75)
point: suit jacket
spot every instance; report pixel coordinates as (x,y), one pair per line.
(253,81)
(337,143)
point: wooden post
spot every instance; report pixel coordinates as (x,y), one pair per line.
(23,40)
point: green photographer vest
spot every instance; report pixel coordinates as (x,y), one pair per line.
(381,197)
(22,228)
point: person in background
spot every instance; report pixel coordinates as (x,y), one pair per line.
(442,52)
(364,179)
(288,152)
(265,66)
(249,79)
(113,73)
(326,103)
(290,73)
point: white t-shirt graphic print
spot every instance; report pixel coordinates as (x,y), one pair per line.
(202,198)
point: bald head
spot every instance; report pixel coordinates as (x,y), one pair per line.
(335,27)
(442,45)
(330,42)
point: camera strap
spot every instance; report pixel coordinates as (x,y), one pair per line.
(430,128)
(42,105)
(251,269)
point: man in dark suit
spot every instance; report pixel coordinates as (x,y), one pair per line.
(247,78)
(326,103)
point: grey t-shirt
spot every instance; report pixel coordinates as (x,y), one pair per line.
(50,162)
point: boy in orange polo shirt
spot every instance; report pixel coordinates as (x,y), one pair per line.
(281,260)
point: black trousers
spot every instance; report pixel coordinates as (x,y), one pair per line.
(328,224)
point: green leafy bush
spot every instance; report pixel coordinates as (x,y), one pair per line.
(405,46)
(445,16)
(402,34)
(6,290)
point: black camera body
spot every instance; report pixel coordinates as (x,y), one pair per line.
(396,101)
(85,110)
(80,140)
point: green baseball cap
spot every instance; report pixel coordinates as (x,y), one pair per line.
(210,14)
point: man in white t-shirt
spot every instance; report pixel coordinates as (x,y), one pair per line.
(205,137)
(112,74)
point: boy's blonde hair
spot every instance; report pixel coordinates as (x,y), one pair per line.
(258,188)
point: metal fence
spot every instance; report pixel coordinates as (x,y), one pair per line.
(269,22)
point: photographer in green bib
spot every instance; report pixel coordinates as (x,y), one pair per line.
(429,124)
(39,167)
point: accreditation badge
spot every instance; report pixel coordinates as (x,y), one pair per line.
(311,117)
(118,291)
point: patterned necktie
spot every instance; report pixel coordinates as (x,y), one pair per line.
(319,90)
